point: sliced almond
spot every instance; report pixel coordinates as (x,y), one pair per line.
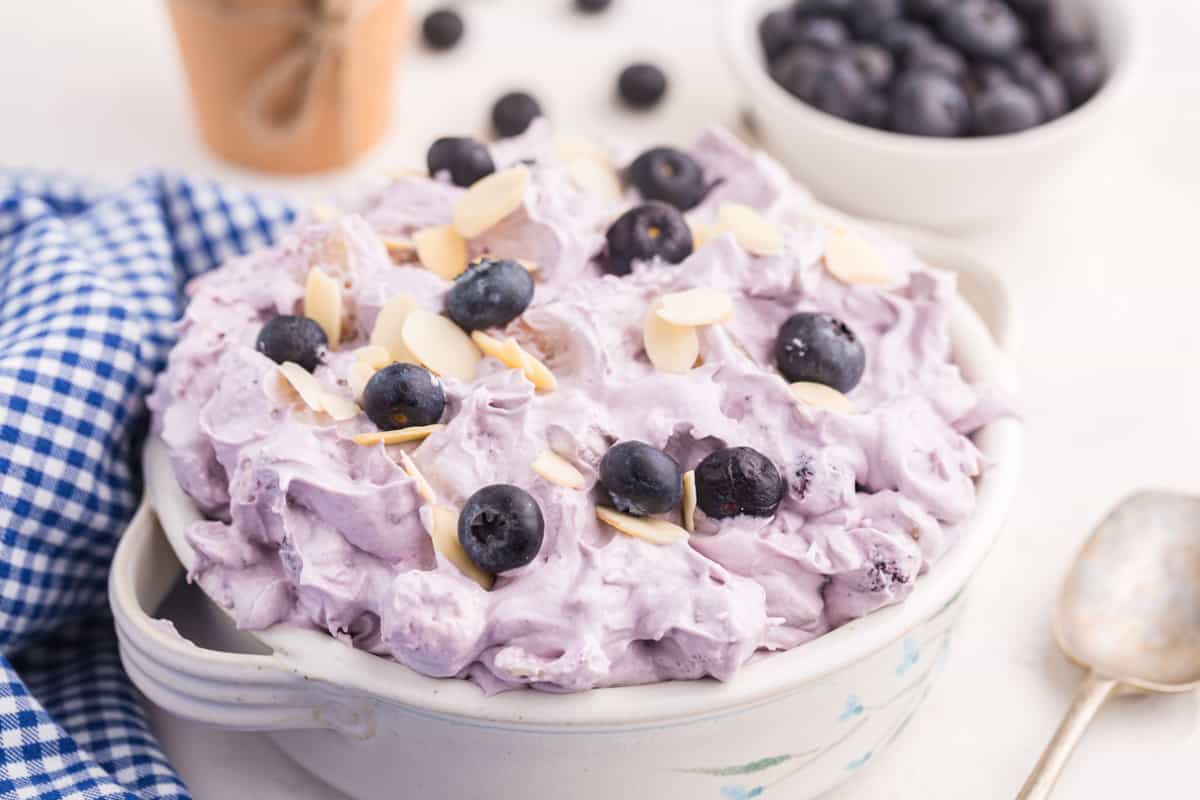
(510,353)
(323,304)
(398,436)
(338,407)
(377,356)
(440,345)
(570,148)
(490,200)
(689,500)
(530,266)
(695,307)
(671,348)
(445,541)
(854,260)
(556,469)
(388,332)
(360,374)
(754,233)
(822,396)
(651,529)
(442,251)
(399,249)
(305,383)
(410,468)
(596,178)
(703,233)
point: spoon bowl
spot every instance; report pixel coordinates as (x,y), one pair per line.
(1130,607)
(1129,612)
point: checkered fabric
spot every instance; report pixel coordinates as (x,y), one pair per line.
(91,281)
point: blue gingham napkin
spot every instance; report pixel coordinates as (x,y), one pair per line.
(91,281)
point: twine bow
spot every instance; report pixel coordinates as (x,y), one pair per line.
(280,101)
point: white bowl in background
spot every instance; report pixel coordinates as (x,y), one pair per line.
(934,182)
(790,725)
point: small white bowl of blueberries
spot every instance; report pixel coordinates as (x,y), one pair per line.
(943,113)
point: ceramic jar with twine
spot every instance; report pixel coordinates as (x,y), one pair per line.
(291,85)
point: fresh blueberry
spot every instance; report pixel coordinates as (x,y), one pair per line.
(988,74)
(670,176)
(738,480)
(982,28)
(820,348)
(512,114)
(823,8)
(640,479)
(501,528)
(796,70)
(835,85)
(926,9)
(1007,108)
(643,232)
(777,32)
(900,36)
(827,32)
(490,293)
(875,110)
(1024,65)
(928,103)
(442,29)
(937,57)
(402,395)
(641,85)
(1032,9)
(592,6)
(1062,29)
(867,17)
(875,63)
(296,339)
(467,160)
(1082,72)
(1051,93)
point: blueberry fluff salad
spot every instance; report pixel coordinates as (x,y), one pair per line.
(949,68)
(560,414)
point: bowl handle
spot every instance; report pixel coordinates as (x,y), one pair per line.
(230,690)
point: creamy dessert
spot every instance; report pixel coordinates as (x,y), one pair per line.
(566,416)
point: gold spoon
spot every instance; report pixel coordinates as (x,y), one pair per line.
(1129,613)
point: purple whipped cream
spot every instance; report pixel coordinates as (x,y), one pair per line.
(309,528)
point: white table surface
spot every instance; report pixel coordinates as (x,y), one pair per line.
(1105,275)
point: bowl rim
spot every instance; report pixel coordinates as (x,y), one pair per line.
(322,661)
(741,48)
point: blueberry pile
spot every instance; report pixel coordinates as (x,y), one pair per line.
(934,67)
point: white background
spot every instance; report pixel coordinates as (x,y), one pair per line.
(1104,270)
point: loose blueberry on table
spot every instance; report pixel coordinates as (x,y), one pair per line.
(442,29)
(641,86)
(592,6)
(819,348)
(957,67)
(501,528)
(513,113)
(290,338)
(643,232)
(669,176)
(403,395)
(640,479)
(490,293)
(467,160)
(738,480)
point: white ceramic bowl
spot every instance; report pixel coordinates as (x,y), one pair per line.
(790,725)
(933,182)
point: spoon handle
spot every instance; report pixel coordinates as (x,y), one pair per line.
(1091,694)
